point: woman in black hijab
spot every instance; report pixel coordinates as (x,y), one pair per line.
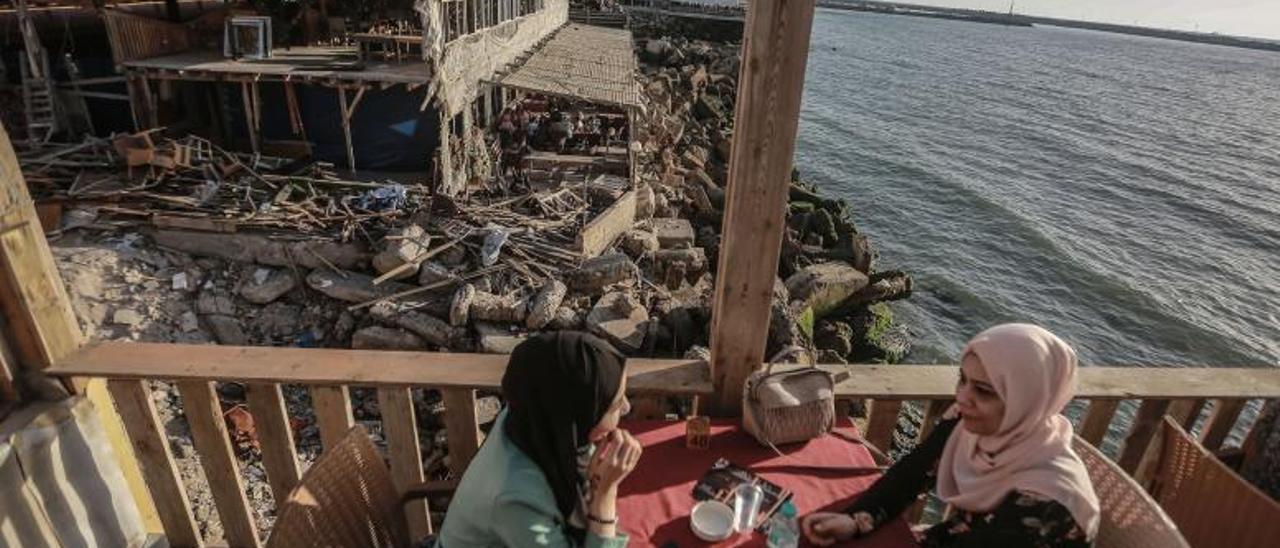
(548,474)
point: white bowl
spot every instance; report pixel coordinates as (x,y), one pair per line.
(711,520)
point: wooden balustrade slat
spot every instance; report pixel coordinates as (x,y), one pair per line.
(332,406)
(461,427)
(275,438)
(1185,412)
(648,408)
(1145,425)
(1221,420)
(932,412)
(138,414)
(400,427)
(882,420)
(1097,420)
(209,432)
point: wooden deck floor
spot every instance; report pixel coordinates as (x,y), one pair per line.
(294,64)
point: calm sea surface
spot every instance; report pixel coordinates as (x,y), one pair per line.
(1122,191)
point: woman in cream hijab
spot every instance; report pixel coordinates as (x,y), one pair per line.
(1008,470)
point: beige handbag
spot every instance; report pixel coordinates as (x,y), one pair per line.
(789,406)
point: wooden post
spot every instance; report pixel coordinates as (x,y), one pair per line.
(249,124)
(775,48)
(347,113)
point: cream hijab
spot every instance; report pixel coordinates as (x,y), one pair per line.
(1034,372)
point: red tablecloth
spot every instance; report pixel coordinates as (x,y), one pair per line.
(655,500)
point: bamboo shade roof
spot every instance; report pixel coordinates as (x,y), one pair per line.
(595,64)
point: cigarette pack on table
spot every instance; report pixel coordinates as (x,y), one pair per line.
(724,477)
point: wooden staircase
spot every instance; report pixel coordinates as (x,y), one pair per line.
(37,98)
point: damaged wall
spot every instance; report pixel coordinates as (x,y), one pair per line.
(468,60)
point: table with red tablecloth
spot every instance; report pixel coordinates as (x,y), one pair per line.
(655,500)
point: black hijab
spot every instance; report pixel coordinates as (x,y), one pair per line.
(558,386)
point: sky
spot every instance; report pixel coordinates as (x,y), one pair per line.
(1257,18)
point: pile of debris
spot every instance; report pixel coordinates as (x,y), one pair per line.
(190,183)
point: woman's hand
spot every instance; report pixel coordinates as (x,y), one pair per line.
(614,459)
(826,528)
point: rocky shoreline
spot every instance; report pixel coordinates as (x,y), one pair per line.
(651,294)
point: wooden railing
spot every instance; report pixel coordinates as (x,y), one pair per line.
(328,374)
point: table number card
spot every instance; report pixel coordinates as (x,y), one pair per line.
(697,433)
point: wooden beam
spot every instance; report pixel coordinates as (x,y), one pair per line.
(400,428)
(775,48)
(249,123)
(461,428)
(332,406)
(147,435)
(40,325)
(209,433)
(275,437)
(323,366)
(346,128)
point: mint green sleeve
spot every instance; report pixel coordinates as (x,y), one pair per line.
(524,522)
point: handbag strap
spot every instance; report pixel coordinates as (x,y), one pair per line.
(786,353)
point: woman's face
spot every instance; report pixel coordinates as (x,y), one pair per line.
(621,406)
(981,408)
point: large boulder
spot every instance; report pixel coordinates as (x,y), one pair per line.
(823,287)
(267,285)
(621,319)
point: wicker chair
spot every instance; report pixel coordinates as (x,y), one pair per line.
(1212,505)
(1130,518)
(346,499)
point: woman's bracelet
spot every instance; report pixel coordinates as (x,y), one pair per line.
(592,518)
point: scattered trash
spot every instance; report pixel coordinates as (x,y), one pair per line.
(180,281)
(493,242)
(390,197)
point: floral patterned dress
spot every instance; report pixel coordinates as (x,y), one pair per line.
(1021,520)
